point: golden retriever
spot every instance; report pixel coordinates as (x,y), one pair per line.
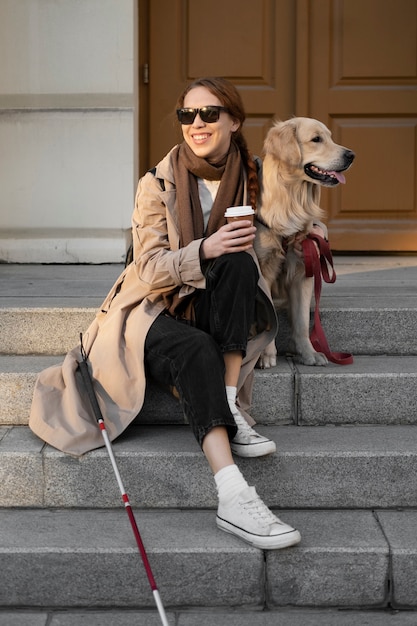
(299,157)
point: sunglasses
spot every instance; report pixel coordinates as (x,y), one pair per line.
(209,114)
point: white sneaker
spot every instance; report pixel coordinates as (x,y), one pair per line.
(247,442)
(251,520)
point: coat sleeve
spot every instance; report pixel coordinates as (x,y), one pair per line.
(159,262)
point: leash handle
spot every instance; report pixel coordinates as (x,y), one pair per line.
(320,266)
(325,257)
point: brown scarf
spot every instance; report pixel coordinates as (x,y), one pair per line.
(187,169)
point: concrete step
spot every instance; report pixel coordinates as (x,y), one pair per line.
(163,467)
(18,375)
(373,390)
(361,331)
(346,461)
(85,558)
(42,331)
(209,617)
(371,309)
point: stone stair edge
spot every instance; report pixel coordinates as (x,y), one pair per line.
(374,547)
(314,467)
(33,363)
(374,389)
(205,616)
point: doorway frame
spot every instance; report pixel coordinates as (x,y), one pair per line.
(142,136)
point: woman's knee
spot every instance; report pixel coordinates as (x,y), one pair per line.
(241,262)
(236,268)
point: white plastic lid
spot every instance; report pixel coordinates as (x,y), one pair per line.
(237,211)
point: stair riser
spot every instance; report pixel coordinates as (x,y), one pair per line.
(364,331)
(372,390)
(42,331)
(16,390)
(313,468)
(70,580)
(55,331)
(90,559)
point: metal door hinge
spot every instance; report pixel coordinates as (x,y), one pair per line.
(145,73)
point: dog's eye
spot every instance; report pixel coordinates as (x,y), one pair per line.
(317,139)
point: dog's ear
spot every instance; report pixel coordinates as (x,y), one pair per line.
(281,142)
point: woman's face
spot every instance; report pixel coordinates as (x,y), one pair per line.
(208,141)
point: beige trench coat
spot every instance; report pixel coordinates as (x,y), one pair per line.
(114,342)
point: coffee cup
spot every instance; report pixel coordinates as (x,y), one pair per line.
(235,213)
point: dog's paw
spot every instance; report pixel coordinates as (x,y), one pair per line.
(265,361)
(312,358)
(302,351)
(268,357)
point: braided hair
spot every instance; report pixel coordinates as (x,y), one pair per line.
(230,98)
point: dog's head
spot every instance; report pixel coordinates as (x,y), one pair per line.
(304,149)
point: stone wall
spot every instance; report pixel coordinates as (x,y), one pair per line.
(67,129)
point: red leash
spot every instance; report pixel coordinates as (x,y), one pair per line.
(318,267)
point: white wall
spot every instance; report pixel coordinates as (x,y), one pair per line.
(67,129)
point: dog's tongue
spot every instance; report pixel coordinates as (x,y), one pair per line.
(339,177)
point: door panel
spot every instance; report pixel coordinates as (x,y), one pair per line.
(250,43)
(361,81)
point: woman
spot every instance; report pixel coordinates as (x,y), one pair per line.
(183,311)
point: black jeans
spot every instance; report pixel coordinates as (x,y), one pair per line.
(191,357)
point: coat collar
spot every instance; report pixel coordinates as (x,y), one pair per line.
(164,168)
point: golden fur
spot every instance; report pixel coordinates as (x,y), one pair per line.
(300,156)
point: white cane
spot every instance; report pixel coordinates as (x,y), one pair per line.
(88,382)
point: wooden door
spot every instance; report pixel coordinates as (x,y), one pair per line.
(357,72)
(250,43)
(350,63)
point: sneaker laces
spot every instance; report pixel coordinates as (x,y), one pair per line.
(243,426)
(259,511)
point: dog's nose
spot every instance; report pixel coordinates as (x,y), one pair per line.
(349,156)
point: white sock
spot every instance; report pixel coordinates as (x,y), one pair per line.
(230,482)
(231,393)
(231,397)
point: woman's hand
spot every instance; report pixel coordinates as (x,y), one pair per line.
(234,237)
